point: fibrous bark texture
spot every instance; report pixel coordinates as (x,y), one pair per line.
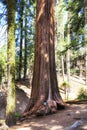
(45,96)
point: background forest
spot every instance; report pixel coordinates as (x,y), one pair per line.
(70,36)
(17,59)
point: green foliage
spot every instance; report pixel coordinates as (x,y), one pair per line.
(17,115)
(77,22)
(77,19)
(65,84)
(82,94)
(65,87)
(72,27)
(75,71)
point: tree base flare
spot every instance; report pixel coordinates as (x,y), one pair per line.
(44,108)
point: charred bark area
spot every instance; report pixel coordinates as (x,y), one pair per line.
(45,96)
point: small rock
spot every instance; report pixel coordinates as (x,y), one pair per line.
(75,125)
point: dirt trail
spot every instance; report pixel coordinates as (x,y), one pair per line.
(59,121)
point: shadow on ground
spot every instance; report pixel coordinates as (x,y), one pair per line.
(62,120)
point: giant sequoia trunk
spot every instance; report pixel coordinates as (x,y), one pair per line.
(45,94)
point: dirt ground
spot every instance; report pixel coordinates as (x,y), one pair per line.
(74,117)
(62,120)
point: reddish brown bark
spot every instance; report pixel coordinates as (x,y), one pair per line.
(45,87)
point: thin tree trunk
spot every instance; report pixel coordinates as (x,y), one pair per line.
(25,49)
(81,68)
(86,40)
(21,39)
(62,62)
(86,63)
(10,108)
(68,51)
(68,65)
(60,31)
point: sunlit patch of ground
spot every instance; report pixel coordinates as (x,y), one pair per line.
(76,84)
(59,121)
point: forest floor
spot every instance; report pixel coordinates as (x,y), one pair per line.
(74,117)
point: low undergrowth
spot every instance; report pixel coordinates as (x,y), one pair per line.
(82,94)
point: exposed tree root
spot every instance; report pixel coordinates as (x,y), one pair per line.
(42,108)
(49,107)
(77,101)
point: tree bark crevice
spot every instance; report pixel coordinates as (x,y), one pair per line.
(44,85)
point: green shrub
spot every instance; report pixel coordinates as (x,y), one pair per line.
(17,115)
(82,94)
(73,71)
(65,84)
(65,87)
